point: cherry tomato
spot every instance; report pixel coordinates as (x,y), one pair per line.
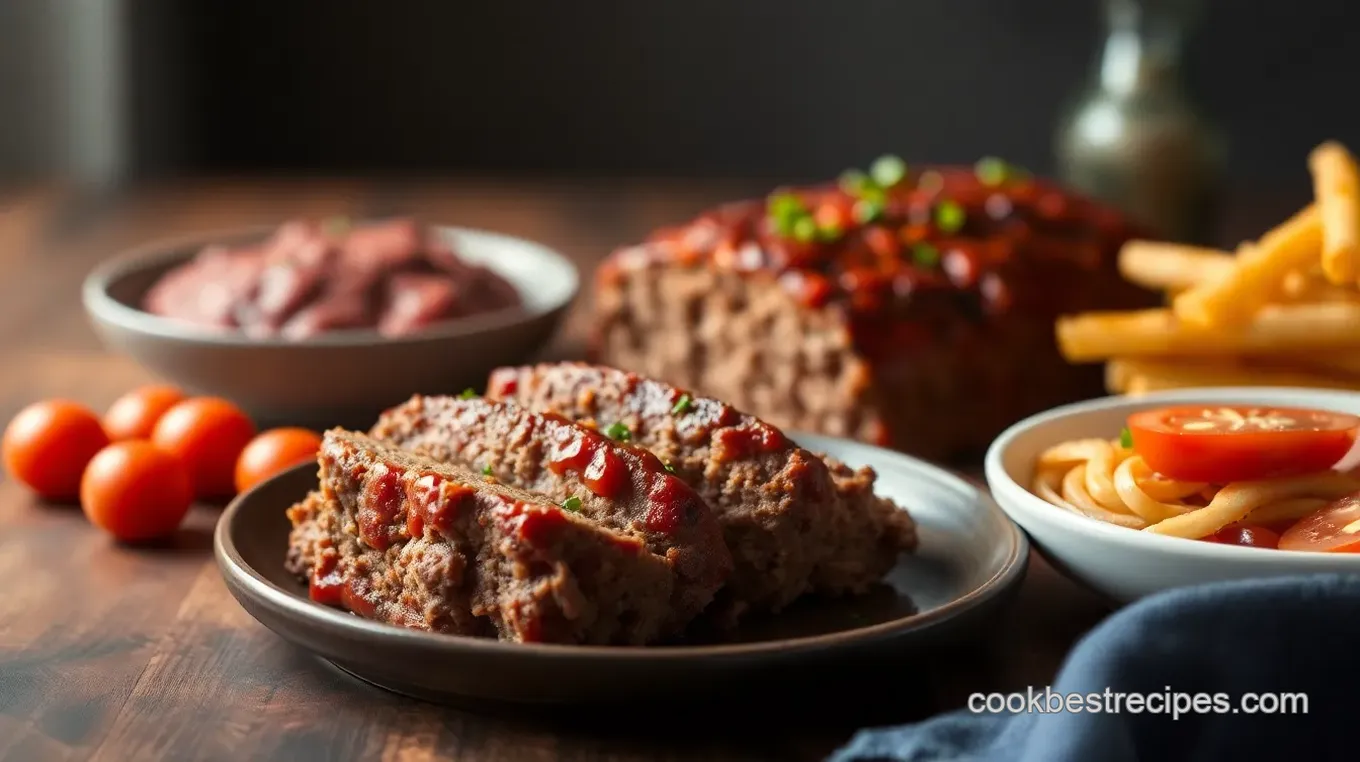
(1247,535)
(134,415)
(134,491)
(208,434)
(1334,529)
(1223,444)
(274,451)
(47,445)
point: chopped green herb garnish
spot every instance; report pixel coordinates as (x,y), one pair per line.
(669,466)
(467,394)
(786,204)
(855,182)
(1126,439)
(992,171)
(572,504)
(830,233)
(867,210)
(949,216)
(786,209)
(486,470)
(925,254)
(873,193)
(805,229)
(682,405)
(618,432)
(888,171)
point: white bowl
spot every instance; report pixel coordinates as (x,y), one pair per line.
(1126,564)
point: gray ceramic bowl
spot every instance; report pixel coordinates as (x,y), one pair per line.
(342,378)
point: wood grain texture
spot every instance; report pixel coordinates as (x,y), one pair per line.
(117,654)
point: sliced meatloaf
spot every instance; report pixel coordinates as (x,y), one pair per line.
(622,487)
(438,546)
(793,523)
(308,536)
(917,315)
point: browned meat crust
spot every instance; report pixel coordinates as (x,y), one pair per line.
(417,543)
(792,523)
(624,488)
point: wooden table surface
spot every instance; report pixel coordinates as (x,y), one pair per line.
(120,654)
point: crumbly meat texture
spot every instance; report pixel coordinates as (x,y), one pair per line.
(793,523)
(744,339)
(872,532)
(624,488)
(436,546)
(309,536)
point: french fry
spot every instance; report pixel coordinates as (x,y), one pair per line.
(1137,386)
(1172,267)
(1300,286)
(1118,374)
(1284,311)
(1280,328)
(1336,186)
(1139,376)
(1257,276)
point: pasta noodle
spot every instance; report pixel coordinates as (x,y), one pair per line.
(1103,480)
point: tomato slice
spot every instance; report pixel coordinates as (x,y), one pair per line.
(1248,535)
(1334,529)
(1230,443)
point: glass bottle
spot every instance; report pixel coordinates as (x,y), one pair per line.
(1135,139)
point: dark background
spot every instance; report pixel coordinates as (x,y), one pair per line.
(752,88)
(735,87)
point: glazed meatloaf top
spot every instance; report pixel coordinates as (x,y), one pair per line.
(904,252)
(782,512)
(622,487)
(538,572)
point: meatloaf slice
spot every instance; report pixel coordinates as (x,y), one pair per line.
(308,536)
(622,487)
(793,524)
(437,546)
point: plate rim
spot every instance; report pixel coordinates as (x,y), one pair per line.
(242,577)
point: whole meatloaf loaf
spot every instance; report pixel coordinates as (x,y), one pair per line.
(793,522)
(908,309)
(619,486)
(438,546)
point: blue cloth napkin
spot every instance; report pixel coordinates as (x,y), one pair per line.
(1291,635)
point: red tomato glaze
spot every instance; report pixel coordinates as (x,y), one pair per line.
(592,456)
(380,506)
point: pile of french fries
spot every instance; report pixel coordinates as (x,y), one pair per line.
(1283,310)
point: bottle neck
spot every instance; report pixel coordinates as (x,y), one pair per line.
(1143,45)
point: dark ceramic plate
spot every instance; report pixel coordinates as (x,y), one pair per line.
(971,555)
